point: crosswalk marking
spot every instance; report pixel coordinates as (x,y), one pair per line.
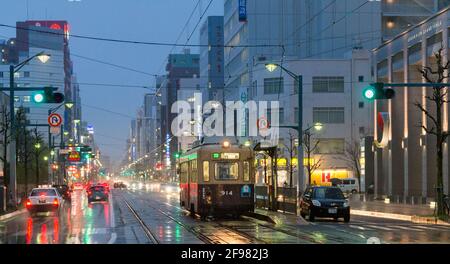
(409,228)
(359,227)
(417,228)
(381,227)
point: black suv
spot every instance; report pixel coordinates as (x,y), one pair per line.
(64,191)
(324,201)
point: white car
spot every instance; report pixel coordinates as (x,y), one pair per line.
(44,200)
(349,185)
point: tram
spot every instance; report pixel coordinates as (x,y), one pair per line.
(217,179)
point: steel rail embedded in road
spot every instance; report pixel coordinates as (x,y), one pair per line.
(147,230)
(199,235)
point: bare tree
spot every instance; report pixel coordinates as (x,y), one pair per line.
(5,127)
(310,148)
(24,148)
(436,74)
(352,156)
(292,152)
(38,150)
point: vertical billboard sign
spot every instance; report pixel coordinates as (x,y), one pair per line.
(242,10)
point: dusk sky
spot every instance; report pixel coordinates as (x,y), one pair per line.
(140,20)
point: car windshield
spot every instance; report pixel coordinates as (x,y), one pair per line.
(43,192)
(328,193)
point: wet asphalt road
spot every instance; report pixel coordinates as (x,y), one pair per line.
(152,216)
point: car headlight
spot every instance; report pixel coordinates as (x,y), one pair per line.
(316,203)
(346,204)
(168,189)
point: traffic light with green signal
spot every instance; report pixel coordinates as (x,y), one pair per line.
(177,155)
(48,97)
(376,91)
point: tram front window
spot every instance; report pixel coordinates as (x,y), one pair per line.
(227,171)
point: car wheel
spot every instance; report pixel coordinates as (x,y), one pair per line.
(354,191)
(311,216)
(347,218)
(302,214)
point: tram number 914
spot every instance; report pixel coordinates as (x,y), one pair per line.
(257,254)
(226,193)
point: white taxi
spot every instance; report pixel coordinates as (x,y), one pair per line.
(44,200)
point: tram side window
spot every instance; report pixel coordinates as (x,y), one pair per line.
(184,172)
(246,171)
(194,171)
(206,171)
(227,171)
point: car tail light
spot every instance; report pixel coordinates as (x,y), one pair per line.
(55,202)
(28,203)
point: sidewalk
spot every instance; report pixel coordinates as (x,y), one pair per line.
(419,213)
(8,215)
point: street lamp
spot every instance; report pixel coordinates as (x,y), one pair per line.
(300,170)
(43,57)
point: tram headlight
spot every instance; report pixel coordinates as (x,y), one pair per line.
(226,144)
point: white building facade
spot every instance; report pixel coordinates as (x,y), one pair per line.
(332,97)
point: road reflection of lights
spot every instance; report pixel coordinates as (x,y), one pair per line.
(42,237)
(29,235)
(55,230)
(177,233)
(106,213)
(318,237)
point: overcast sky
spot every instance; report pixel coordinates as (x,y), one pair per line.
(142,20)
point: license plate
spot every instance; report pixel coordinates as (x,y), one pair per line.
(332,211)
(42,201)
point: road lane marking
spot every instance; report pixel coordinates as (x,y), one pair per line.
(113,238)
(111,212)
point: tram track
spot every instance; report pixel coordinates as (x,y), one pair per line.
(188,228)
(217,226)
(148,233)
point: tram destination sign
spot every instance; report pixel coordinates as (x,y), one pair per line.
(226,156)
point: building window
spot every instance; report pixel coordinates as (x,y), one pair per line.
(361,104)
(330,146)
(273,85)
(16,99)
(26,74)
(361,78)
(362,130)
(328,84)
(27,98)
(1,74)
(328,115)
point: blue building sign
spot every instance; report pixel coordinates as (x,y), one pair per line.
(242,10)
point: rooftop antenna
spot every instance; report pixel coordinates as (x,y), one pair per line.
(28,17)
